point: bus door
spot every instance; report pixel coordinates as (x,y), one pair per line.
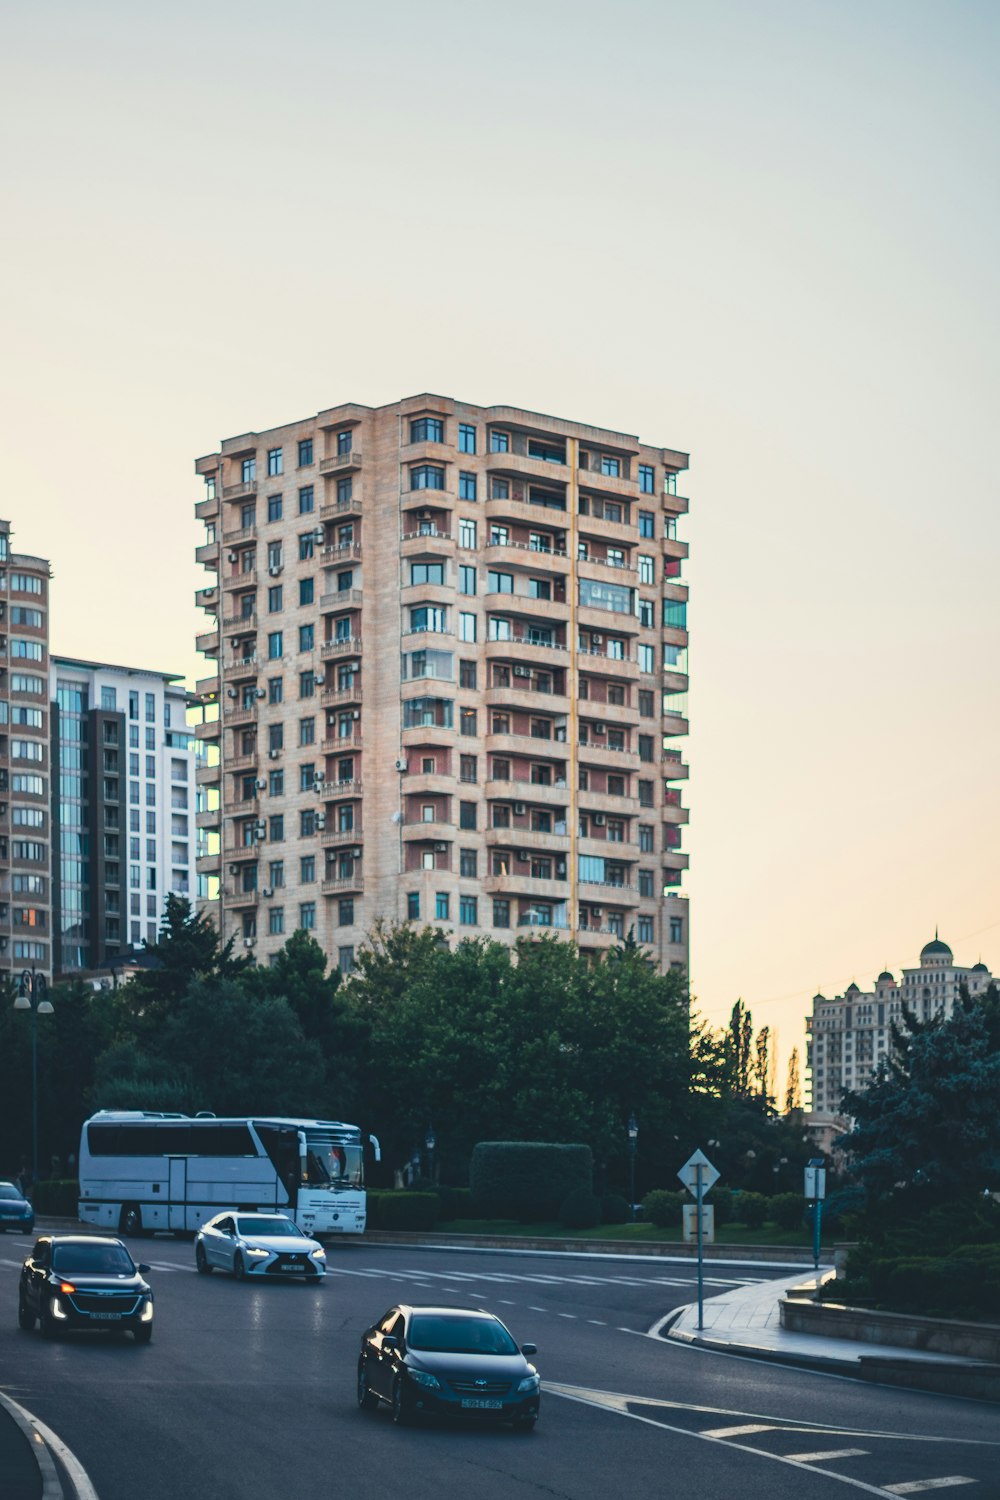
(177,1203)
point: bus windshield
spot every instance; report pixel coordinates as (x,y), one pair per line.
(331,1165)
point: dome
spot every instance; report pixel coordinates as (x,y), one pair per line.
(852,989)
(935,948)
(885,978)
(979,968)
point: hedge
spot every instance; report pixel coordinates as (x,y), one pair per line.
(402,1210)
(581,1209)
(526,1180)
(58,1197)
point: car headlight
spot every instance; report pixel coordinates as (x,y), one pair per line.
(146,1316)
(422,1377)
(254,1250)
(528,1384)
(319,1253)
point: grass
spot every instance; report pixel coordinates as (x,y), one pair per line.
(726,1234)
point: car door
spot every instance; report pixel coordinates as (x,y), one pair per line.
(382,1361)
(35,1272)
(223,1243)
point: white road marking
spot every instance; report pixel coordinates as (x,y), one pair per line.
(917,1486)
(597,1322)
(537,1309)
(731,1432)
(15,1263)
(826,1453)
(567,1315)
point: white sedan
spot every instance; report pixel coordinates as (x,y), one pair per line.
(257,1244)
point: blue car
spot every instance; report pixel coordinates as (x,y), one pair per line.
(15,1210)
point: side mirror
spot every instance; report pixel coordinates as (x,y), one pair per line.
(529,1348)
(390,1342)
(143,1269)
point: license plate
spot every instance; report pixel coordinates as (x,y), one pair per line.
(107,1317)
(482,1403)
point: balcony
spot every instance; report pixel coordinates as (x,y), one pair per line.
(522,512)
(594,752)
(205,510)
(208,729)
(208,864)
(241,621)
(530,653)
(207,687)
(236,763)
(240,536)
(674,767)
(342,697)
(673,860)
(336,744)
(429,500)
(343,885)
(615,485)
(208,818)
(349,646)
(339,838)
(207,642)
(539,793)
(341,463)
(345,509)
(607,893)
(244,579)
(624,853)
(342,552)
(241,666)
(523,606)
(598,661)
(207,554)
(417,783)
(524,557)
(676,505)
(611,805)
(520,695)
(527,838)
(340,599)
(237,899)
(237,715)
(608,622)
(243,491)
(521,466)
(208,599)
(428,541)
(336,791)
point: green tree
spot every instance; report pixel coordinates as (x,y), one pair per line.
(188,948)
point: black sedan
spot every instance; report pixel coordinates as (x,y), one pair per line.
(82,1281)
(448,1361)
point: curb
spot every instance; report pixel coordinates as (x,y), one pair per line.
(45,1448)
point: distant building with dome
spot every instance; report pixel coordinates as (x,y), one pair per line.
(848,1035)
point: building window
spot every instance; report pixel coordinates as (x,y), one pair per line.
(274,507)
(345,912)
(307,869)
(466,438)
(468,721)
(467,538)
(275,462)
(276,920)
(677,929)
(466,626)
(307,915)
(646,747)
(345,441)
(466,486)
(427,573)
(468,911)
(646,482)
(307,545)
(413,906)
(645,838)
(646,883)
(499,583)
(499,442)
(248,470)
(305,452)
(467,864)
(441,906)
(645,569)
(307,684)
(345,959)
(647,524)
(646,659)
(307,637)
(467,815)
(645,794)
(427,477)
(427,430)
(307,731)
(275,828)
(307,500)
(645,929)
(275,599)
(647,702)
(610,466)
(466,580)
(468,675)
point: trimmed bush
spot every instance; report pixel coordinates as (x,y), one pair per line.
(581,1209)
(723,1202)
(403,1210)
(60,1198)
(751,1209)
(663,1208)
(526,1180)
(788,1210)
(456,1203)
(614,1209)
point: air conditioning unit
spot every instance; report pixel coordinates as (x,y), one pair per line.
(260,829)
(320,823)
(424,515)
(560,869)
(523,856)
(267,892)
(274,755)
(519,809)
(274,570)
(260,783)
(355,853)
(599,820)
(234,869)
(599,729)
(596,911)
(401,763)
(522,671)
(231,693)
(234,557)
(319,782)
(356,713)
(249,942)
(440,848)
(3,944)
(597,640)
(318,535)
(259,693)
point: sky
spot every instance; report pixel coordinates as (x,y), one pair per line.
(763,233)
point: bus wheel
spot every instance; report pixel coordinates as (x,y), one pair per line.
(130,1221)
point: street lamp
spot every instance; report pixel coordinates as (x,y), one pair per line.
(32,994)
(633,1135)
(430,1142)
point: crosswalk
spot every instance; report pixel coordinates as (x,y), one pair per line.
(523,1278)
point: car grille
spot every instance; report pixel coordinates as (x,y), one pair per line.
(92,1302)
(480,1388)
(290,1263)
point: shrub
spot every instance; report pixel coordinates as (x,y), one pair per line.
(788,1210)
(526,1180)
(614,1209)
(581,1209)
(404,1210)
(722,1201)
(456,1203)
(60,1198)
(663,1208)
(751,1209)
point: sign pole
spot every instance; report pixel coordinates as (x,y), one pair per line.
(699,1195)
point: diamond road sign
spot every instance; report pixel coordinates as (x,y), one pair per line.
(688,1174)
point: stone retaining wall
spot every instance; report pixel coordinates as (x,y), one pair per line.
(898,1330)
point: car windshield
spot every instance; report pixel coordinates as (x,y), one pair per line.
(8,1190)
(440,1333)
(92,1260)
(329,1164)
(266,1226)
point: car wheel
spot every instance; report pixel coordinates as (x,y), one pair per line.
(201,1261)
(50,1328)
(239,1267)
(367,1400)
(142,1333)
(402,1412)
(25,1317)
(130,1221)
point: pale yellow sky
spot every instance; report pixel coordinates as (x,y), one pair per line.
(763,233)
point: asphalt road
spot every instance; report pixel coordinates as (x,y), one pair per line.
(248,1391)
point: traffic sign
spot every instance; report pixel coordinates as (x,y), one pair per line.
(689,1173)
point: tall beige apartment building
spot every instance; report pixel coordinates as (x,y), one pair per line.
(450,649)
(25,816)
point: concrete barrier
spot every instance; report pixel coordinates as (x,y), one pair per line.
(980,1341)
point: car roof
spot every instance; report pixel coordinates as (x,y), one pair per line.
(437,1307)
(84,1239)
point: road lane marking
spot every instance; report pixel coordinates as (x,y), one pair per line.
(731,1432)
(538,1309)
(597,1322)
(567,1315)
(917,1486)
(827,1453)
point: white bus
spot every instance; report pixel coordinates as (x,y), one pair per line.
(140,1172)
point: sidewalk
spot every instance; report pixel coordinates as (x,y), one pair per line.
(747,1322)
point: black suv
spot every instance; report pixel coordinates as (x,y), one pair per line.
(83,1281)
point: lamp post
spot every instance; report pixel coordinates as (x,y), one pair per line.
(430,1141)
(32,994)
(633,1135)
